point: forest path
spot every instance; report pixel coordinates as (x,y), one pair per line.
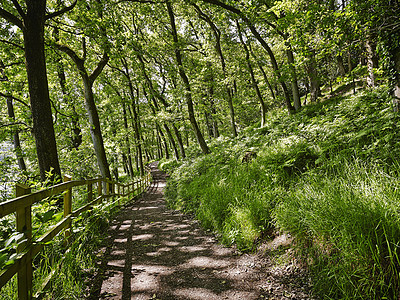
(156,253)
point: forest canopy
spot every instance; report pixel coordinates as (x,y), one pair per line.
(88,86)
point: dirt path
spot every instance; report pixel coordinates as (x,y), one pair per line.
(156,253)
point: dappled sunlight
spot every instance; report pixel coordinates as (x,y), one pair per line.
(164,254)
(169,243)
(118,252)
(116,263)
(148,208)
(205,262)
(161,184)
(144,282)
(120,240)
(142,237)
(196,293)
(192,249)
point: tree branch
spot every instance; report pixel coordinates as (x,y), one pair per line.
(62,11)
(226,6)
(15,123)
(99,68)
(19,8)
(12,44)
(11,18)
(140,1)
(72,54)
(16,99)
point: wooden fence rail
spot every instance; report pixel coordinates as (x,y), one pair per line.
(22,207)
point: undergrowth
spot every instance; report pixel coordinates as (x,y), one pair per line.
(68,270)
(327,175)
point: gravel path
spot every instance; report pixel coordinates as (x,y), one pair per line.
(156,253)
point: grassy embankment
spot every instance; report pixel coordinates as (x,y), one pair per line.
(328,175)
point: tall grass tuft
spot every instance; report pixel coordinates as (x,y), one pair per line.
(347,227)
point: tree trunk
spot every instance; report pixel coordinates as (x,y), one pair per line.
(266,80)
(16,140)
(127,142)
(179,139)
(207,117)
(188,92)
(95,130)
(90,105)
(155,94)
(349,61)
(76,137)
(231,110)
(263,43)
(372,60)
(212,114)
(159,146)
(252,76)
(164,141)
(341,68)
(172,141)
(396,84)
(312,73)
(295,86)
(125,164)
(135,125)
(43,130)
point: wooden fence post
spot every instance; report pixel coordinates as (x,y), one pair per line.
(24,225)
(119,194)
(90,192)
(100,188)
(107,187)
(67,207)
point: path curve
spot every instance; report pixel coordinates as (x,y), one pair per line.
(156,253)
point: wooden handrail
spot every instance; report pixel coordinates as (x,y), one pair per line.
(22,205)
(11,206)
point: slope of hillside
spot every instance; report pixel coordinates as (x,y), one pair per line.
(327,175)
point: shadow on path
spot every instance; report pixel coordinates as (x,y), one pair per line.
(156,253)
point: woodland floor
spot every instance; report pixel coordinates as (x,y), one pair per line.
(153,252)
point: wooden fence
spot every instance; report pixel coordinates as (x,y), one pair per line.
(22,206)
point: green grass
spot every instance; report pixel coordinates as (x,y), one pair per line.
(327,175)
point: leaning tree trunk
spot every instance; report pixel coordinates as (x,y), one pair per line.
(95,129)
(43,129)
(179,139)
(188,93)
(252,76)
(90,105)
(171,140)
